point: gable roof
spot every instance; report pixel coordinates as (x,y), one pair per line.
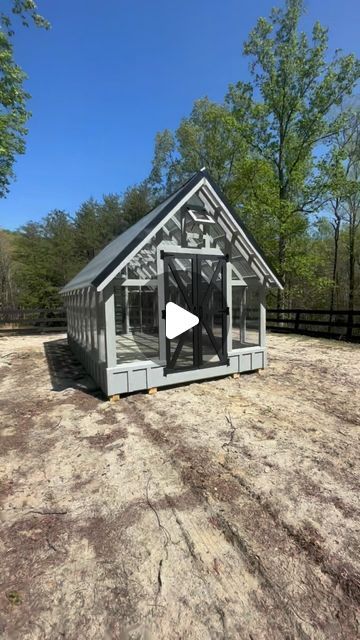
(109,258)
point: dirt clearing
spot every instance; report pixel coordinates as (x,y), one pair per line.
(224,509)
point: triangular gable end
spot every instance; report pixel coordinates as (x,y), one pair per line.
(206,192)
(133,246)
(185,193)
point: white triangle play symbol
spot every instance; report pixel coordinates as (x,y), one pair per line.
(178,320)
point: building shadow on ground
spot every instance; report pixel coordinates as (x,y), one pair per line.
(65,371)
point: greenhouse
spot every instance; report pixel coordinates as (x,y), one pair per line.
(179,296)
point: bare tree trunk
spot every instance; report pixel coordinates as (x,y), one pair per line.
(351,266)
(281,254)
(336,225)
(6,283)
(351,277)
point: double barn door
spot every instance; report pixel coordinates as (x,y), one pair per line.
(197,283)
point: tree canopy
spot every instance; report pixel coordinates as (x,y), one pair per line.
(13,97)
(283,145)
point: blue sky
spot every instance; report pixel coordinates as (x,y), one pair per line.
(110,74)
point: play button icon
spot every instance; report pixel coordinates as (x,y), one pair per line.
(178,320)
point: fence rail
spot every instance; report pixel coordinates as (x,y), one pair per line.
(339,324)
(32,320)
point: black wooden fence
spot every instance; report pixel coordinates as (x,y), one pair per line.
(343,325)
(32,320)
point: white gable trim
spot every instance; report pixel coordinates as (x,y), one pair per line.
(262,264)
(259,266)
(152,233)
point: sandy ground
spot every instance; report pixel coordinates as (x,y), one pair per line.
(225,509)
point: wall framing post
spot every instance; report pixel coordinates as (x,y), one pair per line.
(243,301)
(81,316)
(100,324)
(127,310)
(91,313)
(76,309)
(110,327)
(161,307)
(262,327)
(229,304)
(183,227)
(73,324)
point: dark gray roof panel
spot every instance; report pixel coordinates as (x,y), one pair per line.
(116,251)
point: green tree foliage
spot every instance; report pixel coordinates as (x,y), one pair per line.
(49,253)
(283,147)
(26,11)
(288,108)
(7,268)
(263,144)
(212,137)
(46,259)
(13,97)
(13,114)
(136,202)
(346,189)
(35,288)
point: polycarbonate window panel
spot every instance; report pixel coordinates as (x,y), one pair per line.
(137,323)
(242,266)
(245,317)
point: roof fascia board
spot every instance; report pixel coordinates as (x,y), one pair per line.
(242,233)
(151,234)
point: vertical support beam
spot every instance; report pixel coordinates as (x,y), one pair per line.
(69,301)
(161,306)
(229,304)
(76,315)
(88,319)
(92,312)
(110,327)
(140,309)
(71,313)
(85,313)
(262,328)
(67,310)
(96,333)
(243,316)
(100,326)
(183,227)
(82,316)
(127,310)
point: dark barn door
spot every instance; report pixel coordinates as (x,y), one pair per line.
(197,283)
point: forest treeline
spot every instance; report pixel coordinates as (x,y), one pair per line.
(284,146)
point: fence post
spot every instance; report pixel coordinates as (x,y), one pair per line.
(350,325)
(297,320)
